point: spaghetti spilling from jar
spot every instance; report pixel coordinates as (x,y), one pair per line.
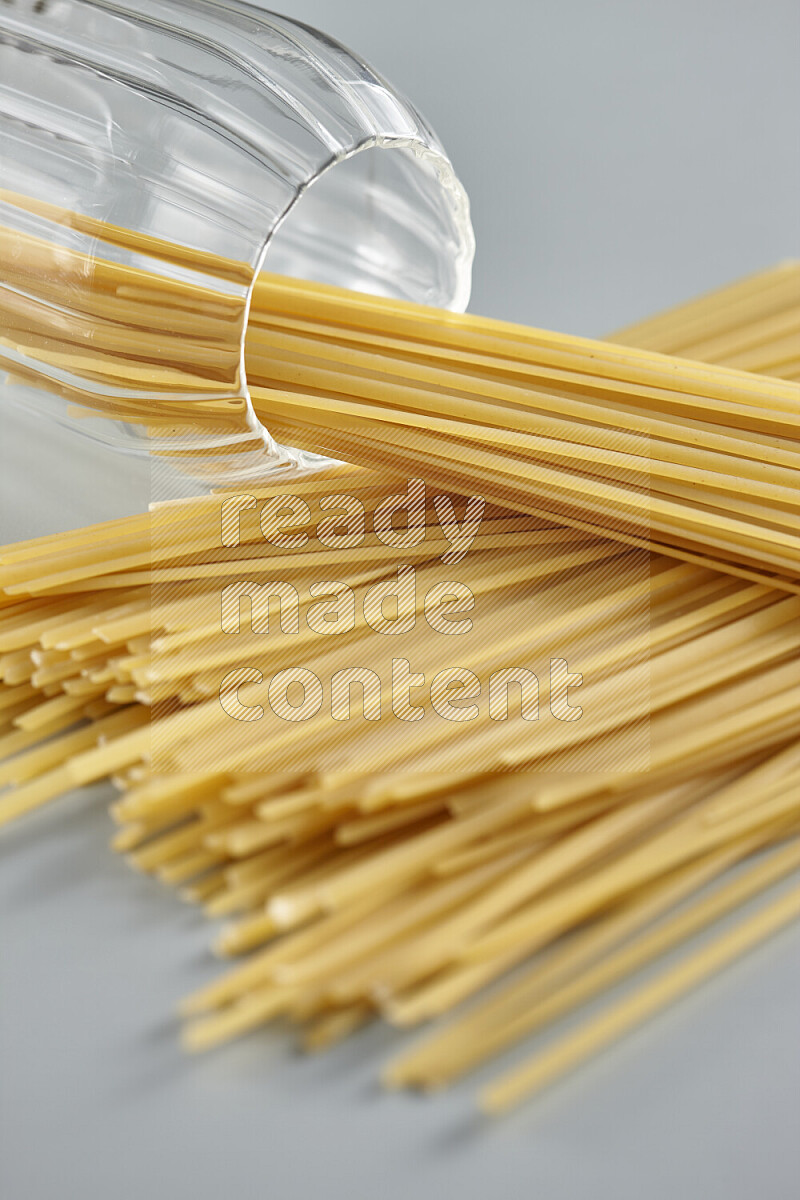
(504,697)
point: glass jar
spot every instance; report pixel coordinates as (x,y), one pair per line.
(154,153)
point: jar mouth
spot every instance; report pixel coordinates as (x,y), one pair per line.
(388,217)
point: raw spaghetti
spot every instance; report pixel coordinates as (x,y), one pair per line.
(354,893)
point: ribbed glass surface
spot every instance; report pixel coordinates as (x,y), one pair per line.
(219,134)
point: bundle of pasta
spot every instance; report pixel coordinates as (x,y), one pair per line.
(700,462)
(365,886)
(697,462)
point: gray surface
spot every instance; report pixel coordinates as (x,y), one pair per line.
(620,157)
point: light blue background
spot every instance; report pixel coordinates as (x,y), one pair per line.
(620,157)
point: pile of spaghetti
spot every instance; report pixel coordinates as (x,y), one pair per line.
(641,518)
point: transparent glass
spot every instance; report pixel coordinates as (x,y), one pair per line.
(163,148)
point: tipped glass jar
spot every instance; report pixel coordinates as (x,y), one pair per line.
(156,154)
